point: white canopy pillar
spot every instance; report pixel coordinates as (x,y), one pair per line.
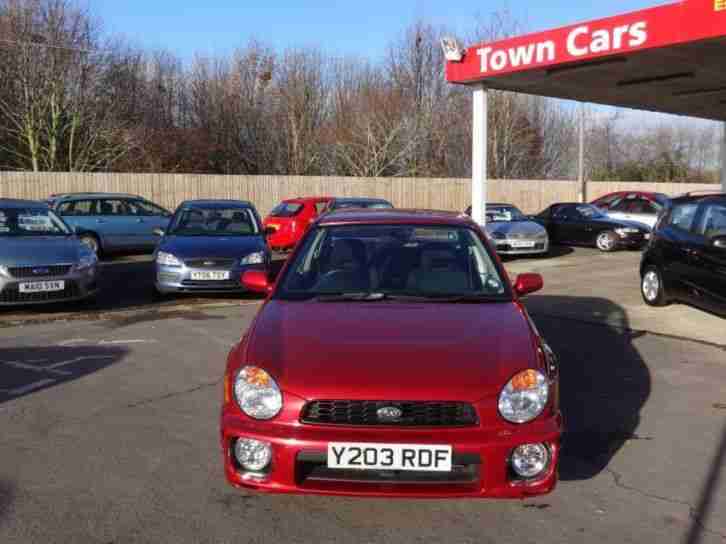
(479,139)
(581,155)
(723,157)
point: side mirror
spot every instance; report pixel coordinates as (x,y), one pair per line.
(158,231)
(719,242)
(528,283)
(257,281)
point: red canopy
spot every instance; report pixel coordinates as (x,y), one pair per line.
(669,59)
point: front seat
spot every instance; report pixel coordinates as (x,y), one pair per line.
(344,268)
(441,272)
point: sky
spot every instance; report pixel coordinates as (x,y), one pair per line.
(361,28)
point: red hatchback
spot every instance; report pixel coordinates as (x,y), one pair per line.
(291,218)
(392,357)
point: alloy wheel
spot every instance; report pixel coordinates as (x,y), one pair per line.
(651,285)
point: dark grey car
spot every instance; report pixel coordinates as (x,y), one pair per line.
(41,259)
(208,246)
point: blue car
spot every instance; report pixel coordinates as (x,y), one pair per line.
(110,222)
(208,246)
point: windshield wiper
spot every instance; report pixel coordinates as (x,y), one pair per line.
(356,296)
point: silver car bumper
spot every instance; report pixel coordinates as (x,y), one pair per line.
(180,279)
(507,247)
(63,283)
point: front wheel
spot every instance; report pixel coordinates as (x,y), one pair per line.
(606,241)
(652,287)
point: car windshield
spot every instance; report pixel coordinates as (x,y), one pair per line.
(369,204)
(286,209)
(504,213)
(31,222)
(197,221)
(388,262)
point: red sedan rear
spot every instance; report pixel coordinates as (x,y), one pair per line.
(291,218)
(392,357)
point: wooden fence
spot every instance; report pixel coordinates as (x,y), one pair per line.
(266,191)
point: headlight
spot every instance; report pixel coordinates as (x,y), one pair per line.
(87,261)
(524,397)
(258,257)
(541,235)
(4,271)
(627,230)
(498,235)
(167,259)
(257,393)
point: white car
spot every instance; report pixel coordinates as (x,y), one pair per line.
(636,207)
(512,232)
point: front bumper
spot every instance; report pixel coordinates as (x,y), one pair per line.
(633,240)
(300,452)
(78,286)
(178,279)
(507,247)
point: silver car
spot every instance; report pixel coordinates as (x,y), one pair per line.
(512,232)
(41,259)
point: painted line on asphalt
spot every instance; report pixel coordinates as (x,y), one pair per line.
(34,368)
(28,388)
(77,360)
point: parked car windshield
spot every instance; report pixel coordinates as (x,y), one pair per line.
(504,213)
(286,209)
(31,222)
(369,204)
(214,222)
(380,262)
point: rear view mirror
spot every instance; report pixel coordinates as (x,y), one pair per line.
(719,242)
(528,283)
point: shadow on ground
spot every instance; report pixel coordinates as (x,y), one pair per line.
(553,253)
(7,495)
(27,370)
(604,382)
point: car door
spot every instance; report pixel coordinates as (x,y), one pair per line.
(570,225)
(78,214)
(707,259)
(677,241)
(114,224)
(146,216)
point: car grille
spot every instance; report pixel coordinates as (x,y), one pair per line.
(507,247)
(39,271)
(211,285)
(12,294)
(311,470)
(413,413)
(211,262)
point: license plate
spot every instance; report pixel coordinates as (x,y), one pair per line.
(367,456)
(211,275)
(517,243)
(42,286)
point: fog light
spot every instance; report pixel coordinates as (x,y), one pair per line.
(252,455)
(530,460)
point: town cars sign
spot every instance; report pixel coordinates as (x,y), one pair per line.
(681,22)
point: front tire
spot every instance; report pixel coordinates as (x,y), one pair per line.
(652,287)
(606,241)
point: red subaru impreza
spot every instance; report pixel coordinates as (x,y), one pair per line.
(392,357)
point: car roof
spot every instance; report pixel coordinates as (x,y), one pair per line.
(706,197)
(304,199)
(63,196)
(359,199)
(217,203)
(21,203)
(395,216)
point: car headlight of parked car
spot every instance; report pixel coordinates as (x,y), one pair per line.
(498,235)
(86,262)
(167,259)
(542,235)
(4,271)
(258,257)
(257,393)
(524,397)
(627,230)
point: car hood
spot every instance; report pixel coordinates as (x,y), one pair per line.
(39,250)
(190,247)
(391,350)
(521,228)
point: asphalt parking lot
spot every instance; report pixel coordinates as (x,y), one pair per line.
(110,424)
